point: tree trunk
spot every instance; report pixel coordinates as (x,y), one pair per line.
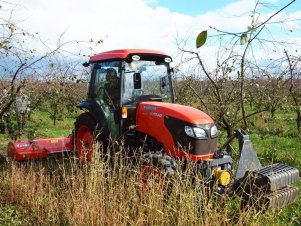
(298,120)
(229,131)
(273,111)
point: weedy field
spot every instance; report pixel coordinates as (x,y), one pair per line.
(63,192)
(244,74)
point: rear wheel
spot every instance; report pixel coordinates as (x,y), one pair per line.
(85,137)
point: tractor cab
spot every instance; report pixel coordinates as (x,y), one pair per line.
(120,79)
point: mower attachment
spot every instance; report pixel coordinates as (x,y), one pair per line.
(261,187)
(280,198)
(268,187)
(39,148)
(274,177)
(248,159)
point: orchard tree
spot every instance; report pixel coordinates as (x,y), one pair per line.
(268,86)
(63,88)
(19,62)
(17,59)
(229,84)
(294,67)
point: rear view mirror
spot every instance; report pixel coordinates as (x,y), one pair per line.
(86,64)
(137,80)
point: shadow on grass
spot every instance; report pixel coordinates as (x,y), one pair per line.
(2,160)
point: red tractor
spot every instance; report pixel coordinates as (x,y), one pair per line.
(131,95)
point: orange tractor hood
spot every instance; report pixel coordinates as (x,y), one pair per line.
(151,119)
(181,112)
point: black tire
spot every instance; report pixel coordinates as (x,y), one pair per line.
(161,161)
(159,168)
(86,134)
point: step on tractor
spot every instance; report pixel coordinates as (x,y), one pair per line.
(130,94)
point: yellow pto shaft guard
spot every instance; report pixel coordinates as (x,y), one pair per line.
(224,177)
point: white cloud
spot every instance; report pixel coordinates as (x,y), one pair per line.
(126,24)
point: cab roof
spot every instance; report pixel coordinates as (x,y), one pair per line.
(123,54)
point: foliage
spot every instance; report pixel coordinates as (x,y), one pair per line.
(201,39)
(14,215)
(20,62)
(295,85)
(57,97)
(235,80)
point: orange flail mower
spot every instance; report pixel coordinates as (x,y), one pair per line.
(39,148)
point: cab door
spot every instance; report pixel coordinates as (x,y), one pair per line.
(107,91)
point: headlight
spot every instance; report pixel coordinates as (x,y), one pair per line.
(195,132)
(189,131)
(213,131)
(199,133)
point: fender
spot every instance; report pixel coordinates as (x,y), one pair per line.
(97,114)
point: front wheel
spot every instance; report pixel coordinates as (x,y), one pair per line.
(156,169)
(85,137)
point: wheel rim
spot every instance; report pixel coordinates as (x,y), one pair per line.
(84,144)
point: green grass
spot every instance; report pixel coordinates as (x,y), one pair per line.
(40,126)
(65,193)
(44,127)
(15,215)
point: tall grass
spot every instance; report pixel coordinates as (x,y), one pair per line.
(64,192)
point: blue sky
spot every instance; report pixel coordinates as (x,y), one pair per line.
(192,7)
(197,7)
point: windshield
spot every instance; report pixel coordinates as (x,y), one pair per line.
(155,84)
